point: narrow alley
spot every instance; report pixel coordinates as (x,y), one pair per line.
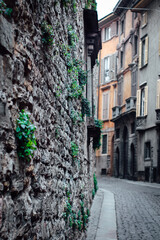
(137,209)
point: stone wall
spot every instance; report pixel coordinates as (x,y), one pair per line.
(34,77)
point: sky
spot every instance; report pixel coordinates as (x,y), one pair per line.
(104,7)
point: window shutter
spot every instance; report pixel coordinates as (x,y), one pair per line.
(113,29)
(158,94)
(145,18)
(112,67)
(138,103)
(146,50)
(145,100)
(140,54)
(105,106)
(102,71)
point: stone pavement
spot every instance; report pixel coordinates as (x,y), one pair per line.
(137,206)
(102,224)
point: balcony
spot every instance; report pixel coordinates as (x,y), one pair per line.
(131,104)
(115,112)
(141,123)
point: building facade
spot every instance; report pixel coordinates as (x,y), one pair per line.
(107,91)
(42,49)
(147,110)
(124,113)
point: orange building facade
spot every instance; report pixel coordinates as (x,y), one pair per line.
(118,82)
(107,91)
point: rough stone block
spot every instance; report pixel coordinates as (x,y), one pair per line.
(6,35)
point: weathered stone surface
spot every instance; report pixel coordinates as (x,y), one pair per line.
(6,35)
(35,78)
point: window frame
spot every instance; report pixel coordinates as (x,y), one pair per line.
(106,147)
(147,150)
(107,33)
(143,52)
(106,71)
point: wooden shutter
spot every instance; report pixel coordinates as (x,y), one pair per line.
(138,103)
(112,67)
(145,18)
(146,50)
(102,70)
(145,100)
(158,95)
(113,29)
(105,106)
(140,54)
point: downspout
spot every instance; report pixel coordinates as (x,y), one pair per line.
(99,72)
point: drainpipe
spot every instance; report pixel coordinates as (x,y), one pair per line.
(99,72)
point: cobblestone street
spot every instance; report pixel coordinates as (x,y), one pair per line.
(137,208)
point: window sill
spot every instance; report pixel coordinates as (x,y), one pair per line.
(147,159)
(145,65)
(143,26)
(105,120)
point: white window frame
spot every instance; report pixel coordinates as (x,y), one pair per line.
(107,33)
(106,69)
(142,102)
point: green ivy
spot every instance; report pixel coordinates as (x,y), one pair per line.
(75,220)
(94,190)
(97,141)
(74,150)
(4,9)
(72,37)
(67,2)
(85,107)
(25,136)
(91,4)
(98,123)
(47,34)
(76,117)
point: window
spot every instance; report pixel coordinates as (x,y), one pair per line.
(106,69)
(107,33)
(144,19)
(121,59)
(143,52)
(142,102)
(105,114)
(135,45)
(104,144)
(122,26)
(115,97)
(134,83)
(147,149)
(117,25)
(119,92)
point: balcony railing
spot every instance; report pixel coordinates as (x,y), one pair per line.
(115,111)
(130,103)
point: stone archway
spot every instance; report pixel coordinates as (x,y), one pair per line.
(125,152)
